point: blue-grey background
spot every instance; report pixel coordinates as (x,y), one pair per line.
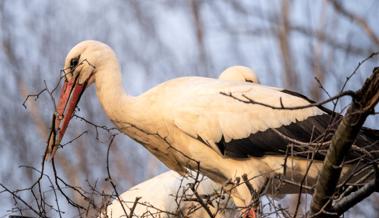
(287,42)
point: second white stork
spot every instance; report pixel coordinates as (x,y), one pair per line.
(169,195)
(239,73)
(188,123)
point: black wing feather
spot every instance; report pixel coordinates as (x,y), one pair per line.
(313,133)
(277,141)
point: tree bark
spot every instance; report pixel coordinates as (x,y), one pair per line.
(363,104)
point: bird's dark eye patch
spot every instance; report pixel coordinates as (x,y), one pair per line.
(74,62)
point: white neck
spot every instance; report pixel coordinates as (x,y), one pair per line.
(109,89)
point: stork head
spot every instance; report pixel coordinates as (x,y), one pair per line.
(80,67)
(239,73)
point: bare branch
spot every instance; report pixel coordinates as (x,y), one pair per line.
(363,104)
(360,21)
(111,181)
(351,200)
(283,107)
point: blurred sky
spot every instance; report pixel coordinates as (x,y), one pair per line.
(156,41)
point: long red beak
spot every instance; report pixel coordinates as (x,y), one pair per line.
(69,98)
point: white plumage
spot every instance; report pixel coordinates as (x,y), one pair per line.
(158,195)
(163,196)
(226,116)
(188,123)
(239,73)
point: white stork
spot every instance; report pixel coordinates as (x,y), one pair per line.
(239,73)
(189,124)
(167,195)
(158,195)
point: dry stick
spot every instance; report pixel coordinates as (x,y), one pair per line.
(350,198)
(343,93)
(254,194)
(35,96)
(110,178)
(363,104)
(248,100)
(177,199)
(20,199)
(97,126)
(134,206)
(37,182)
(200,200)
(354,72)
(356,197)
(51,184)
(57,179)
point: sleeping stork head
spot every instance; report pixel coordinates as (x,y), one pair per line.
(239,73)
(79,71)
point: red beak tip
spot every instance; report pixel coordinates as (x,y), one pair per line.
(65,109)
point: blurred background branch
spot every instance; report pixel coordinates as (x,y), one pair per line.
(288,43)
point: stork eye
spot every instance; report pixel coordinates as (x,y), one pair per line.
(74,62)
